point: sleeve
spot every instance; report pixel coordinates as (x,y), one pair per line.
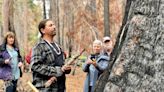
(102,64)
(42,68)
(85,67)
(1,57)
(19,57)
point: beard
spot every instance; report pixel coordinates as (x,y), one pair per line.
(53,33)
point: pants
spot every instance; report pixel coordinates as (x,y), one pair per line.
(90,88)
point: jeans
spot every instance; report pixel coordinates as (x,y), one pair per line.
(11,86)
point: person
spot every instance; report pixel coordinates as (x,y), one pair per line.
(28,56)
(10,56)
(48,60)
(107,45)
(94,66)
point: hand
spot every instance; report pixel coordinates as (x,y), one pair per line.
(94,63)
(7,61)
(89,61)
(20,64)
(66,68)
(50,81)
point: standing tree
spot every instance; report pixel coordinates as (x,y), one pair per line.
(54,15)
(106,18)
(6,4)
(8,16)
(136,63)
(25,27)
(44,9)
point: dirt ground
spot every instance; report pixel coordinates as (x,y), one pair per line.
(74,83)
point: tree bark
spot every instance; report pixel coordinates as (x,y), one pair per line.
(25,33)
(58,21)
(139,64)
(106,18)
(8,16)
(5,15)
(44,9)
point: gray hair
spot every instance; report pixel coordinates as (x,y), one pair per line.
(97,42)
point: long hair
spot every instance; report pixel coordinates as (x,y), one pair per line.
(9,34)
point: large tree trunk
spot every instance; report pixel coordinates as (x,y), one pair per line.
(54,15)
(138,66)
(58,23)
(25,23)
(8,16)
(5,15)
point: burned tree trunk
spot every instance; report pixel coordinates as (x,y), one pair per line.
(137,63)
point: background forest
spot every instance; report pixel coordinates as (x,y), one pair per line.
(135,26)
(78,23)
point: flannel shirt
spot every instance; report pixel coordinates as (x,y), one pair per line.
(43,67)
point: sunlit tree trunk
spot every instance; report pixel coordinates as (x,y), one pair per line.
(137,65)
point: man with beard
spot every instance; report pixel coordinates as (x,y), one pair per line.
(48,60)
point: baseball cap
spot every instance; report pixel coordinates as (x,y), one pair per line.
(106,38)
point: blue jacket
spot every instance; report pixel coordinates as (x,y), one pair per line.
(93,72)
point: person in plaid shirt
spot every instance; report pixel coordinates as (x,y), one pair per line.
(47,62)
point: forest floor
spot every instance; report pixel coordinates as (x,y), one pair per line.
(74,83)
